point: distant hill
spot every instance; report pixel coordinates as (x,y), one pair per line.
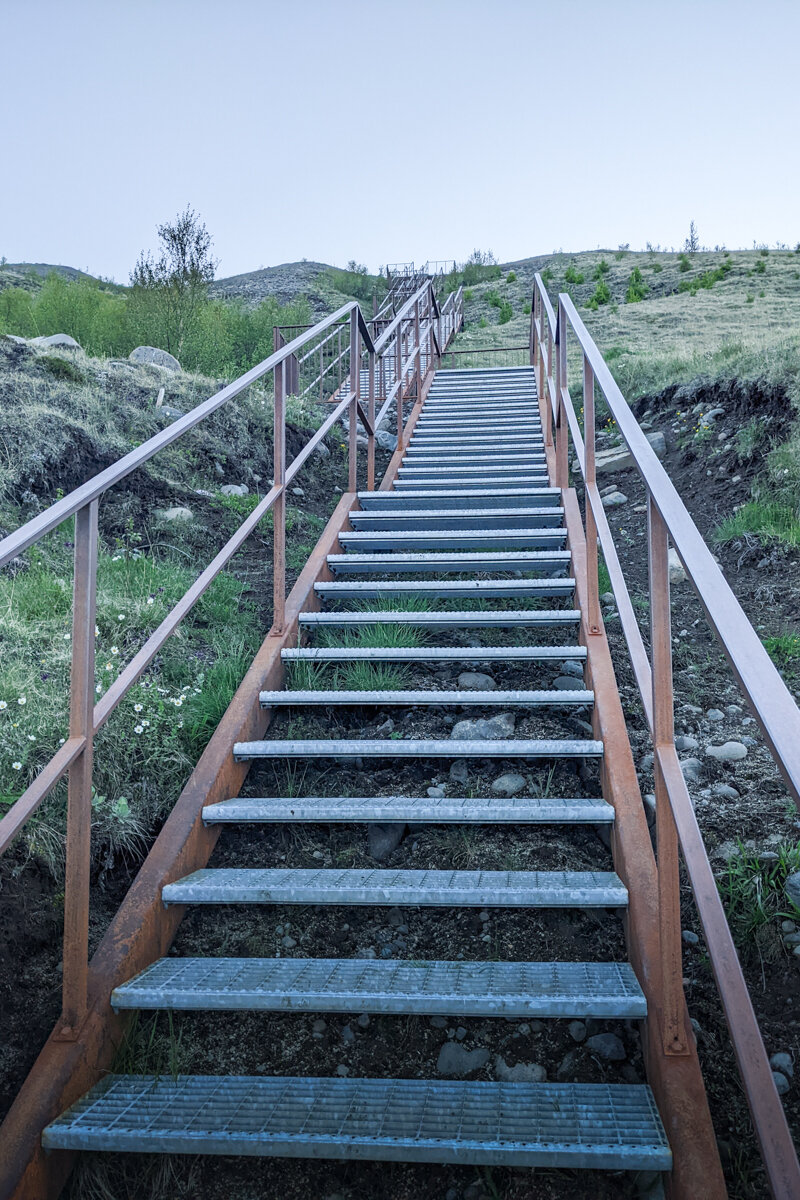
(284,282)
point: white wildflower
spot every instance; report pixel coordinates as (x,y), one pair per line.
(16,766)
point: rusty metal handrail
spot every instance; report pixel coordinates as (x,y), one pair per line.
(770,701)
(412,340)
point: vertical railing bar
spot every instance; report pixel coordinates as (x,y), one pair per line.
(371,419)
(279,507)
(79,790)
(355,393)
(674,1032)
(562,425)
(399,385)
(590,477)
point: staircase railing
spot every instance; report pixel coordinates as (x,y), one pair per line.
(770,701)
(411,345)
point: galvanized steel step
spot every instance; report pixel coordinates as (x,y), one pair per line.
(470,483)
(449,590)
(602,990)
(435,654)
(498,810)
(452,539)
(602,1126)
(446,620)
(463,698)
(498,560)
(457,518)
(360,886)
(412,748)
(458,498)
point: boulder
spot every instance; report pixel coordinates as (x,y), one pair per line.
(386,440)
(676,571)
(383,839)
(729,752)
(607,1046)
(456,1061)
(619,458)
(501,726)
(521,1073)
(476,681)
(508,784)
(176,516)
(234,489)
(62,340)
(155,357)
(614,499)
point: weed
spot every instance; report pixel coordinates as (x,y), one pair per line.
(505,314)
(600,295)
(656,268)
(637,288)
(760,267)
(372,677)
(493,298)
(547,276)
(511,277)
(750,437)
(783,649)
(62,368)
(388,636)
(754,897)
(684,263)
(768,520)
(482,323)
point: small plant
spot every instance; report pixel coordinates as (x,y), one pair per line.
(372,677)
(526,308)
(468,294)
(600,295)
(764,252)
(511,277)
(602,268)
(749,437)
(760,267)
(657,267)
(505,314)
(750,298)
(62,368)
(768,520)
(684,264)
(492,297)
(783,649)
(482,323)
(573,276)
(547,276)
(637,288)
(755,899)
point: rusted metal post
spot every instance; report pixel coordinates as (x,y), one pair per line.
(669,902)
(355,393)
(371,419)
(562,425)
(279,508)
(547,373)
(79,793)
(592,578)
(399,354)
(321,373)
(418,347)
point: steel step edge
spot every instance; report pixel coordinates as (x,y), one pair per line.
(445,620)
(457,699)
(426,888)
(490,748)
(494,589)
(497,810)
(600,1126)
(598,991)
(424,654)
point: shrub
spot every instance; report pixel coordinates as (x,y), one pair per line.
(706,280)
(511,277)
(657,267)
(573,276)
(505,314)
(637,288)
(547,276)
(493,298)
(62,368)
(601,269)
(600,295)
(761,267)
(684,263)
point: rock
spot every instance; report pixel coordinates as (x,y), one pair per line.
(571,667)
(483,915)
(13,337)
(322,450)
(684,742)
(646,762)
(521,1073)
(383,839)
(675,566)
(692,769)
(455,1061)
(568,1065)
(782,1084)
(566,683)
(792,888)
(234,489)
(436,793)
(508,784)
(176,516)
(713,413)
(288,942)
(476,681)
(788,927)
(614,500)
(386,440)
(298,491)
(650,807)
(476,729)
(607,1046)
(386,728)
(724,789)
(577,1031)
(459,772)
(690,938)
(62,340)
(715,714)
(439,1022)
(461,1033)
(729,752)
(619,458)
(342,1070)
(608,598)
(154,356)
(348,1037)
(782,1062)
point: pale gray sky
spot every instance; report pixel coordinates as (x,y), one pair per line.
(390,131)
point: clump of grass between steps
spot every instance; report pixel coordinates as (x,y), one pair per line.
(351,677)
(373,636)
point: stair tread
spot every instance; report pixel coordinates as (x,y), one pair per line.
(465,482)
(420,1120)
(547,989)
(445,620)
(382,886)
(414,748)
(419,696)
(449,589)
(438,810)
(466,654)
(370,501)
(466,559)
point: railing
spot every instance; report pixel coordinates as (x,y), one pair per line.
(411,347)
(770,701)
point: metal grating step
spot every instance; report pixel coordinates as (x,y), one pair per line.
(499,560)
(453,539)
(468,483)
(435,654)
(458,498)
(497,810)
(491,989)
(446,620)
(359,886)
(605,1126)
(455,518)
(456,699)
(413,748)
(452,590)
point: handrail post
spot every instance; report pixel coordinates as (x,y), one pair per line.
(562,425)
(547,376)
(674,1031)
(79,792)
(355,394)
(590,479)
(399,397)
(418,347)
(279,507)
(371,418)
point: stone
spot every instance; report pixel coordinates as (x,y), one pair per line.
(521,1073)
(788,927)
(319,1027)
(608,598)
(713,413)
(476,681)
(650,807)
(675,566)
(566,683)
(383,839)
(782,1084)
(13,337)
(568,1065)
(692,769)
(483,915)
(479,728)
(570,667)
(348,1037)
(386,440)
(729,752)
(508,784)
(619,458)
(684,742)
(386,728)
(792,888)
(577,1031)
(455,1061)
(715,714)
(782,1062)
(288,942)
(62,340)
(322,450)
(234,489)
(615,500)
(459,772)
(690,938)
(298,491)
(607,1046)
(439,1022)
(436,793)
(724,790)
(155,357)
(176,516)
(342,1070)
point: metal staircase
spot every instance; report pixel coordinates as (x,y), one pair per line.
(472,518)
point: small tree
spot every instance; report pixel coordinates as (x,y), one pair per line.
(692,243)
(169,290)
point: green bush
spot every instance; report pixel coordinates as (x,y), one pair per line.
(657,267)
(684,263)
(573,276)
(511,277)
(600,295)
(637,288)
(601,269)
(706,280)
(62,368)
(493,298)
(761,266)
(506,313)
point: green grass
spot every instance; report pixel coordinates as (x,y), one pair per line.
(768,520)
(350,677)
(783,649)
(754,897)
(389,636)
